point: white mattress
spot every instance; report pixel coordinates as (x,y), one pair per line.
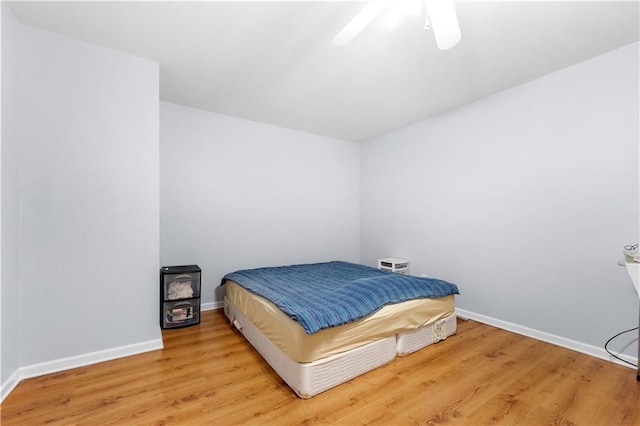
(289,336)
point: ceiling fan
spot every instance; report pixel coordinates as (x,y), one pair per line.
(440,16)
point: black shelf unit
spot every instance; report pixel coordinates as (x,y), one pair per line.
(180,296)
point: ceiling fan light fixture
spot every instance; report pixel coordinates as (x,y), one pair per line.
(444,22)
(440,16)
(360,22)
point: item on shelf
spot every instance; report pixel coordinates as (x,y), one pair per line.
(180,287)
(631,253)
(181,312)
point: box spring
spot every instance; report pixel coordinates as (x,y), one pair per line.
(309,379)
(410,341)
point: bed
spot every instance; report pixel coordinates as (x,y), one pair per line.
(320,325)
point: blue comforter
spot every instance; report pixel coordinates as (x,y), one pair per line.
(323,295)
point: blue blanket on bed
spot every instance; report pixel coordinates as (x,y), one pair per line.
(323,295)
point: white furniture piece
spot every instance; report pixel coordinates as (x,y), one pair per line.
(634,272)
(393,264)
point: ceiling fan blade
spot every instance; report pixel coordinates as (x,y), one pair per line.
(360,22)
(444,21)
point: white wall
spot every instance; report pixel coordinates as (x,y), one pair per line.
(1,6)
(524,199)
(89,198)
(238,194)
(10,203)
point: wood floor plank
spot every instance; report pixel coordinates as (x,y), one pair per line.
(209,374)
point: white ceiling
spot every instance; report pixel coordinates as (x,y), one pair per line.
(273,62)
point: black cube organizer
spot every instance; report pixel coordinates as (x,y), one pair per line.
(179,296)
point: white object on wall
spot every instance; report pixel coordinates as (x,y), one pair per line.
(394,264)
(634,272)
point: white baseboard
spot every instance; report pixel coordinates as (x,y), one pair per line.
(49,367)
(546,337)
(62,364)
(9,385)
(211,306)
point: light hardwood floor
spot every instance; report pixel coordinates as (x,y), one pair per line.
(209,374)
